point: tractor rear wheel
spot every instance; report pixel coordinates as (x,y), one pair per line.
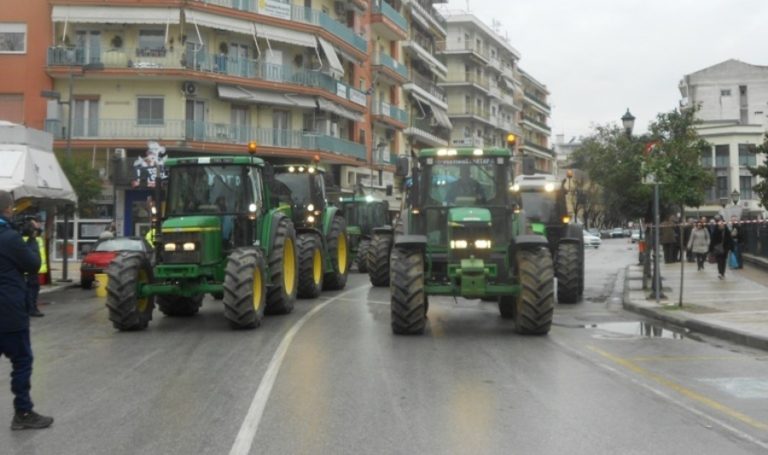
(408,300)
(361,259)
(310,265)
(338,250)
(536,302)
(568,272)
(283,270)
(174,305)
(378,259)
(244,288)
(127,310)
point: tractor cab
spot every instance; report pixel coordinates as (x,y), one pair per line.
(302,187)
(364,214)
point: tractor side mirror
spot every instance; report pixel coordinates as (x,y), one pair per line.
(529,165)
(402,166)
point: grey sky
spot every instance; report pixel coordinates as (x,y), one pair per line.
(600,57)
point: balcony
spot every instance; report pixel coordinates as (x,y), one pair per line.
(481,113)
(388,22)
(532,121)
(423,130)
(162,59)
(539,148)
(382,108)
(420,49)
(537,101)
(477,52)
(467,78)
(400,72)
(222,133)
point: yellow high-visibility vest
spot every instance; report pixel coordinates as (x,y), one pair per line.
(150,237)
(43,256)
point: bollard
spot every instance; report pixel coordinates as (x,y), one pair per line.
(101,284)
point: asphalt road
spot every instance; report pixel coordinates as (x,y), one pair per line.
(331,378)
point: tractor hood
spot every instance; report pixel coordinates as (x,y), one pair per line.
(192,224)
(469,214)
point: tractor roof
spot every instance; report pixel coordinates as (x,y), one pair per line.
(298,168)
(215,160)
(464,152)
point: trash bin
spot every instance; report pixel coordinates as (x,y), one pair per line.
(101,284)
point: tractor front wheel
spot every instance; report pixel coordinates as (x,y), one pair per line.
(536,302)
(173,305)
(338,251)
(127,309)
(283,270)
(310,266)
(378,259)
(244,288)
(361,259)
(568,272)
(408,300)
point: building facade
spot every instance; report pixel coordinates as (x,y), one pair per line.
(534,120)
(732,98)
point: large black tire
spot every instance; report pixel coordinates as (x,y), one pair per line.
(361,259)
(378,259)
(283,270)
(568,271)
(536,302)
(245,289)
(126,310)
(310,265)
(174,305)
(408,300)
(338,251)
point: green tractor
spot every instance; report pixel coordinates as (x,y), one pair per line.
(364,214)
(544,203)
(217,233)
(462,234)
(322,239)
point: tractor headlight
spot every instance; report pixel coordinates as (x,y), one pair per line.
(549,187)
(311,219)
(169,247)
(189,246)
(310,208)
(459,244)
(482,244)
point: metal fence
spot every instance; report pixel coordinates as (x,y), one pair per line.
(755,239)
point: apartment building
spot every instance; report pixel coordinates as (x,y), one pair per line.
(732,97)
(534,122)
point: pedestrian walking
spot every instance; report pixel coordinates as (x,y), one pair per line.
(738,242)
(698,244)
(31,233)
(687,231)
(719,245)
(667,240)
(16,259)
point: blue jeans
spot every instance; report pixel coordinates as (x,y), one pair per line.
(18,348)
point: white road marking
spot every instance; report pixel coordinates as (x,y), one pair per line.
(247,433)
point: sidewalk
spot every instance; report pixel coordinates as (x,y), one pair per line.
(73,273)
(734,309)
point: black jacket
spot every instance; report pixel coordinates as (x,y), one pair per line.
(16,259)
(719,237)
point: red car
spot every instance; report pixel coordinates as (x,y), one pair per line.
(97,260)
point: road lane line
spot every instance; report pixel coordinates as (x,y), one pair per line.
(247,433)
(686,392)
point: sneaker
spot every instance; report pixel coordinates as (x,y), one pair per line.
(37,314)
(30,420)
(720,277)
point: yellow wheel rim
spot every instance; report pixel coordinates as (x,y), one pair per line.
(342,253)
(143,302)
(258,286)
(289,266)
(317,266)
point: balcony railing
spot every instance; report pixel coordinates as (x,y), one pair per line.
(389,110)
(471,78)
(538,100)
(477,112)
(539,148)
(389,62)
(205,62)
(428,86)
(224,133)
(429,11)
(463,47)
(530,119)
(392,14)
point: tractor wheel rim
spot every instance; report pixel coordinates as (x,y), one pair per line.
(289,266)
(257,288)
(341,251)
(317,266)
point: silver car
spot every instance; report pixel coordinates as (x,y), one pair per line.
(592,241)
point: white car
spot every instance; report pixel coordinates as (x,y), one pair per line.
(591,240)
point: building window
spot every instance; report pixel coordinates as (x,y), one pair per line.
(151,43)
(722,186)
(722,155)
(151,111)
(747,155)
(706,158)
(12,107)
(13,38)
(745,187)
(725,92)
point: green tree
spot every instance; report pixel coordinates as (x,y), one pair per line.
(761,171)
(85,181)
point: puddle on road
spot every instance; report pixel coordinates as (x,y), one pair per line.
(638,329)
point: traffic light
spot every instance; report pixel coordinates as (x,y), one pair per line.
(252,147)
(511,140)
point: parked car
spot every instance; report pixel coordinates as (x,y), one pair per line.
(635,235)
(617,233)
(605,234)
(97,260)
(591,240)
(594,231)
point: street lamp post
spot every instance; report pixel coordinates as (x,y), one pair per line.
(628,121)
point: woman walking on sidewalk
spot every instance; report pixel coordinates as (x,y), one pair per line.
(720,244)
(698,244)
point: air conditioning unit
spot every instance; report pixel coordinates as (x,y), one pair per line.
(189,88)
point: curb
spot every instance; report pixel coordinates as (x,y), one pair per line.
(735,336)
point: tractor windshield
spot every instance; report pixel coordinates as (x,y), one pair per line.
(305,188)
(540,206)
(199,190)
(462,181)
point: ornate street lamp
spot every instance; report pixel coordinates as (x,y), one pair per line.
(735,197)
(628,121)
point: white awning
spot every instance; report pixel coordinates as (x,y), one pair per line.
(115,15)
(341,111)
(202,19)
(442,117)
(29,172)
(284,35)
(333,59)
(245,95)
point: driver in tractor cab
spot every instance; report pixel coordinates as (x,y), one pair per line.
(466,186)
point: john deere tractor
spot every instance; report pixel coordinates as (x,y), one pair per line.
(543,200)
(323,246)
(463,235)
(218,234)
(364,214)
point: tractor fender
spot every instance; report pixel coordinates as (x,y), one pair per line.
(328,215)
(272,219)
(384,230)
(411,241)
(573,234)
(528,240)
